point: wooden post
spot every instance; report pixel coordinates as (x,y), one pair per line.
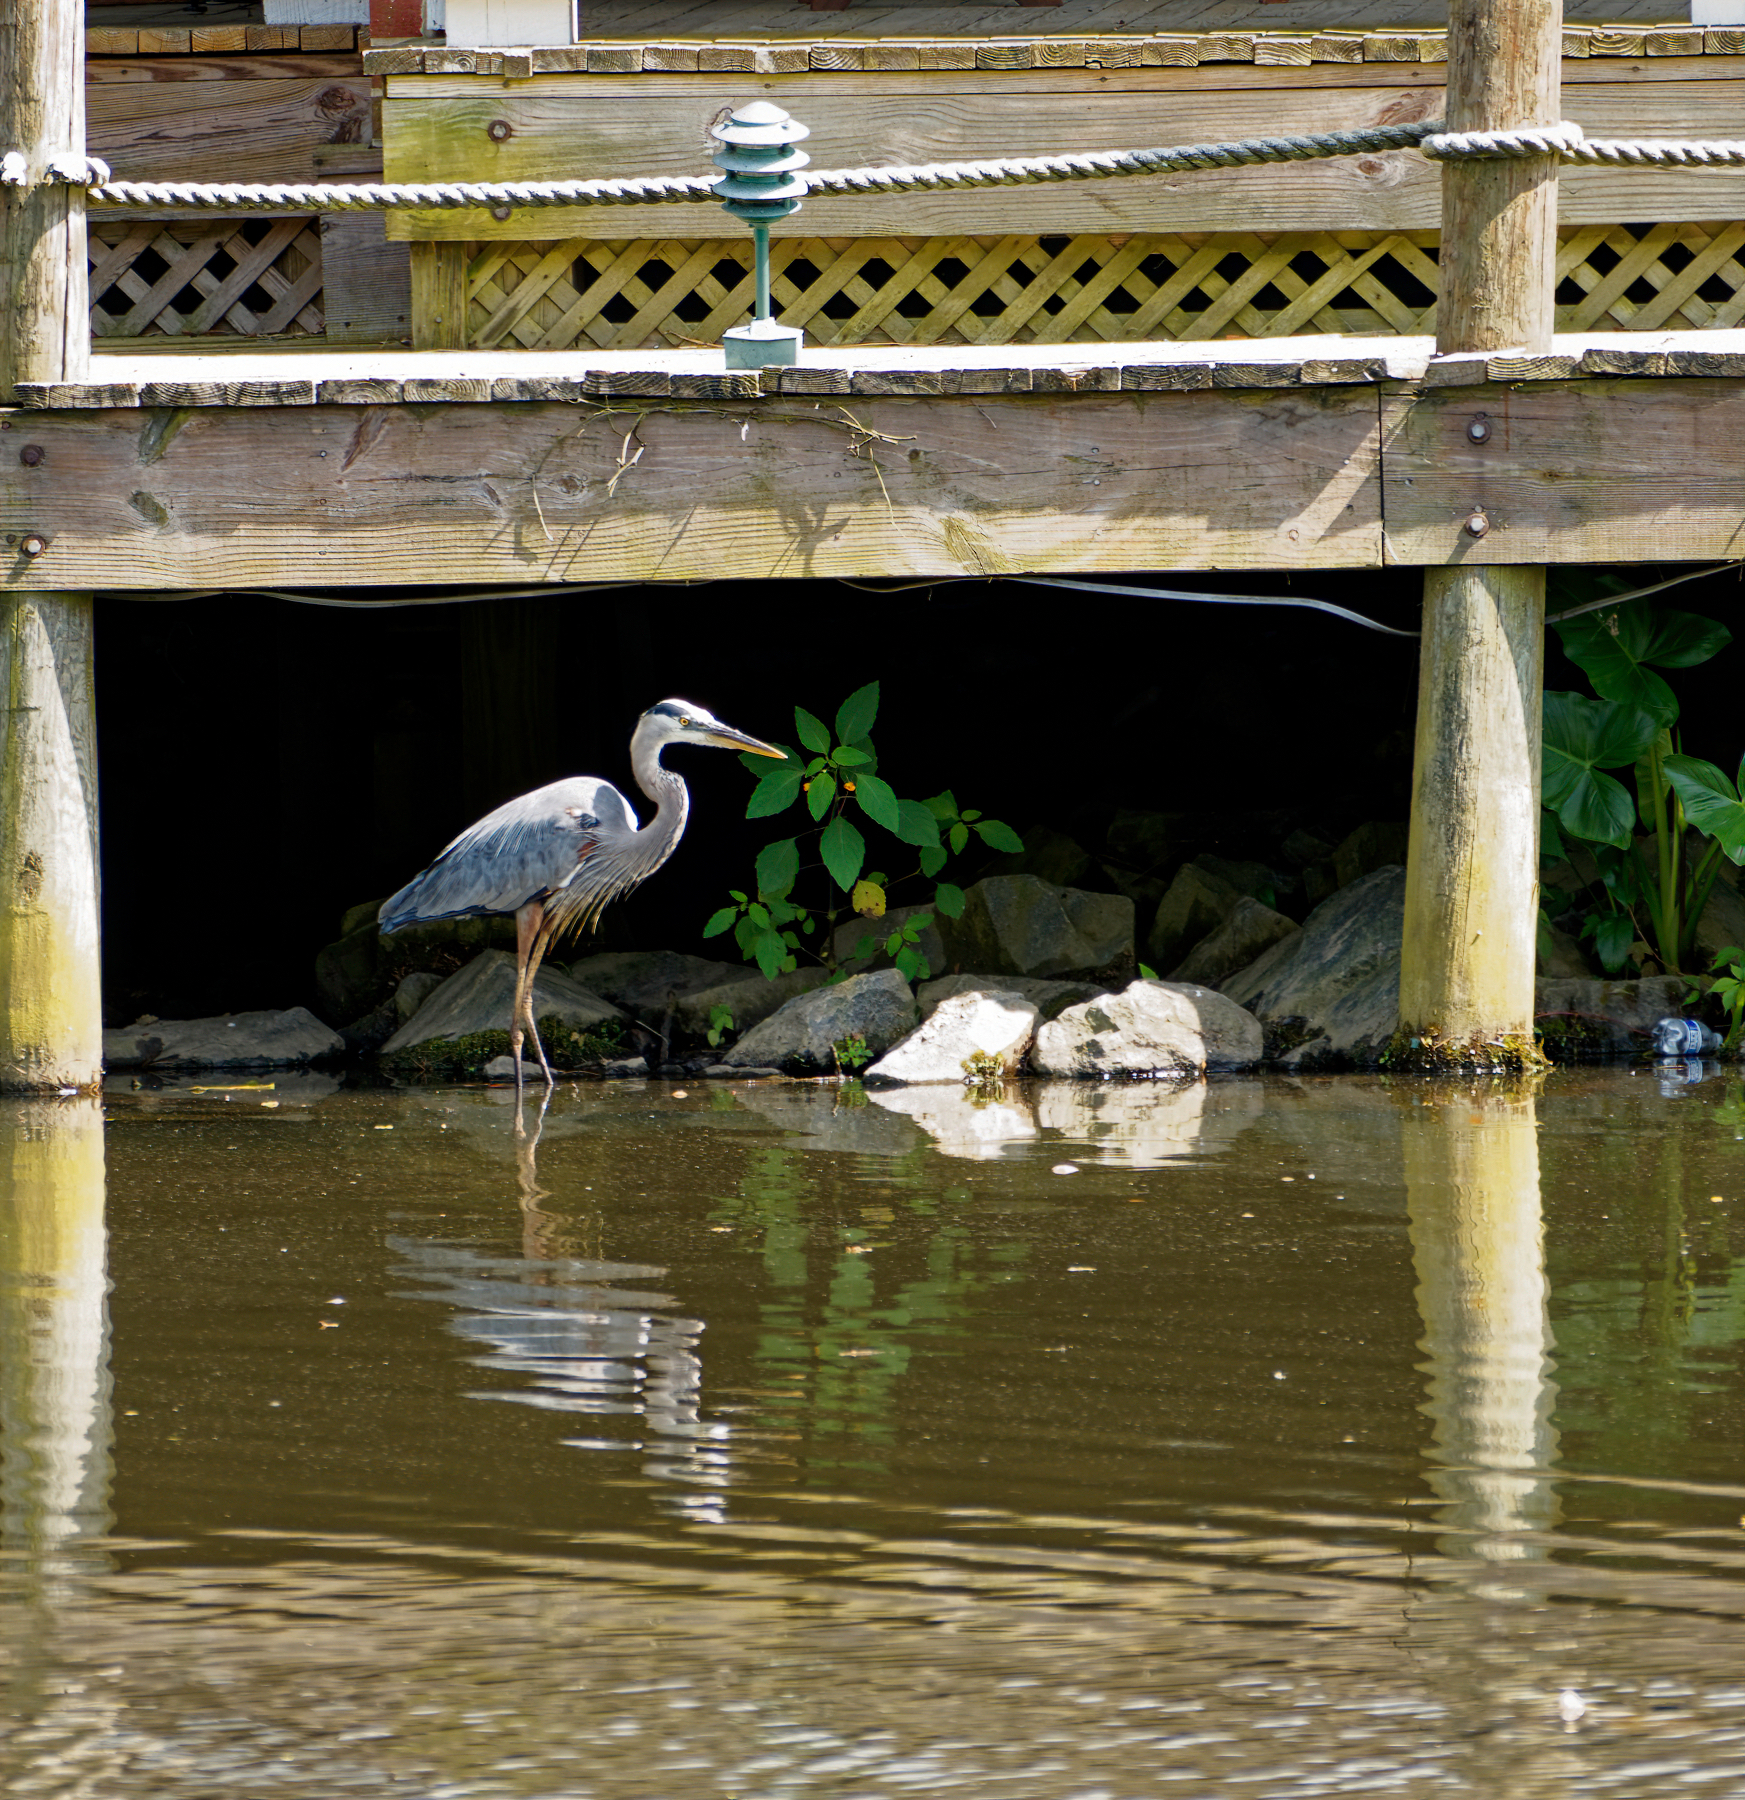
(45,309)
(51,1025)
(51,1013)
(439,296)
(1472,870)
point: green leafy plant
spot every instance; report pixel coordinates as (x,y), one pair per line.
(850,1053)
(720,1023)
(1645,880)
(1728,986)
(834,779)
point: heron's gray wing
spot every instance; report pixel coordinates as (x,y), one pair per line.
(527,849)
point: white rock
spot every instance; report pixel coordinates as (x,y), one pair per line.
(978,1036)
(479,997)
(1150,1028)
(251,1040)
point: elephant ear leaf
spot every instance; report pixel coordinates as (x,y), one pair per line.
(1616,647)
(1582,738)
(1710,801)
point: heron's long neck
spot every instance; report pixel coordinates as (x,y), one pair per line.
(672,802)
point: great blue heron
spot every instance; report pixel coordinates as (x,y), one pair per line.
(556,857)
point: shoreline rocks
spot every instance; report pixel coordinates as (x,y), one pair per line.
(478,998)
(1151,1028)
(250,1040)
(804,1035)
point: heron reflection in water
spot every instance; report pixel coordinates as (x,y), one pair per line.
(557,857)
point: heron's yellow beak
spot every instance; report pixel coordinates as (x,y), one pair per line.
(729,739)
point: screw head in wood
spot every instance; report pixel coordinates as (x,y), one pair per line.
(499,213)
(31,455)
(1478,428)
(499,131)
(1477,525)
(33,543)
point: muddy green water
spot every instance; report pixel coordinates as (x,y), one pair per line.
(1311,1438)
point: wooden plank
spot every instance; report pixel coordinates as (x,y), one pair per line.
(272,37)
(109,41)
(131,70)
(439,296)
(219,40)
(1587,471)
(642,125)
(364,496)
(366,282)
(163,41)
(226,130)
(327,37)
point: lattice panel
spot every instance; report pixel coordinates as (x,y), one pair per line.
(238,277)
(1049,290)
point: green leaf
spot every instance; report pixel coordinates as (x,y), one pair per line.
(820,794)
(1614,648)
(854,718)
(844,851)
(1146,973)
(933,860)
(915,824)
(913,927)
(942,806)
(1582,737)
(949,900)
(1000,837)
(758,915)
(759,765)
(893,943)
(719,922)
(1711,802)
(865,947)
(1612,935)
(778,866)
(846,757)
(912,964)
(776,792)
(814,733)
(745,935)
(771,953)
(878,802)
(959,837)
(1551,839)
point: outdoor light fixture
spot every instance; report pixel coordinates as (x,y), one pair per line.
(763,183)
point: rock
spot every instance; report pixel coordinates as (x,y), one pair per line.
(971,1122)
(971,1037)
(348,978)
(750,1001)
(1141,839)
(1021,925)
(876,1008)
(1050,998)
(1254,879)
(645,982)
(413,991)
(623,1068)
(358,972)
(1561,956)
(1145,891)
(1723,922)
(1250,930)
(1195,904)
(355,918)
(929,942)
(365,1036)
(1049,855)
(251,1040)
(1594,1017)
(836,1118)
(502,1068)
(1369,847)
(1330,996)
(727,1072)
(1150,1028)
(478,998)
(1303,848)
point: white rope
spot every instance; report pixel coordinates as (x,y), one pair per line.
(1564,141)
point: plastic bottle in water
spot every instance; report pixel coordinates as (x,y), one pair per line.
(1684,1037)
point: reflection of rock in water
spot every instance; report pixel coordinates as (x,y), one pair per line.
(1139,1122)
(834,1118)
(592,1348)
(963,1121)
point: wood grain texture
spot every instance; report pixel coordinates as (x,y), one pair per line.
(51,1004)
(439,296)
(366,282)
(1068,481)
(645,125)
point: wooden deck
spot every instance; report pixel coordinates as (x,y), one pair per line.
(369,468)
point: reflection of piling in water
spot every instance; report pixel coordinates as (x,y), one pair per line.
(1472,1187)
(54,1327)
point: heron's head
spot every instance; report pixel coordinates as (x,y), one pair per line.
(683,722)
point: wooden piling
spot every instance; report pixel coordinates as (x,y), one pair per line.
(1472,869)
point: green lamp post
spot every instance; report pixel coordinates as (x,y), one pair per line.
(762,184)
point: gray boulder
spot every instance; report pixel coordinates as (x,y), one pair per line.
(928,941)
(1561,955)
(1022,925)
(1373,846)
(750,1001)
(645,982)
(502,1068)
(1142,839)
(1150,1028)
(1052,855)
(1330,996)
(977,1037)
(1588,1016)
(478,998)
(1195,904)
(1249,931)
(1723,920)
(801,1036)
(412,992)
(1050,998)
(251,1040)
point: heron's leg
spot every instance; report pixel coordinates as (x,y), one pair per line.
(528,921)
(541,943)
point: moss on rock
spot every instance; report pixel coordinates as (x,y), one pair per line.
(454,1059)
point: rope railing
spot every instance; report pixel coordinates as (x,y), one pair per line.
(1565,141)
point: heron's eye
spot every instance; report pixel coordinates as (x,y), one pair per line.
(684,721)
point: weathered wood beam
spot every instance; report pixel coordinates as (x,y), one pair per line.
(1472,864)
